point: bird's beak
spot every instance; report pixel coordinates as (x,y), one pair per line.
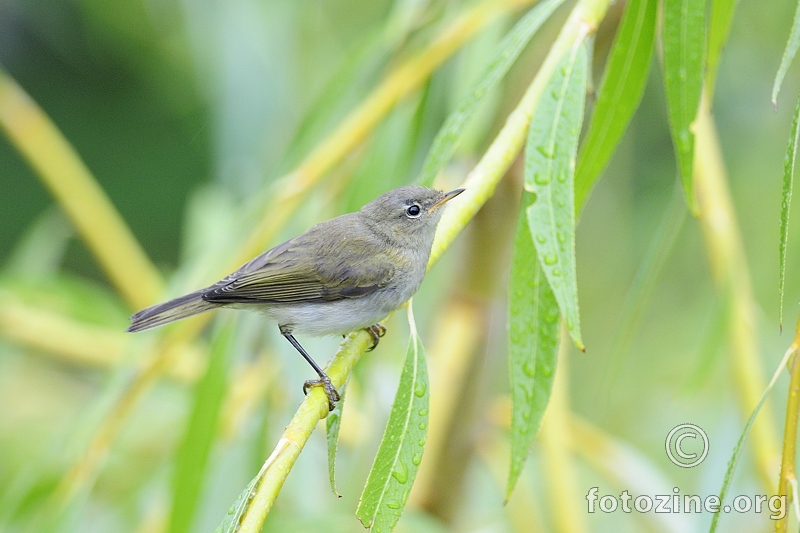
(446,198)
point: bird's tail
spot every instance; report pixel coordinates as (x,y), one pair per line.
(164,313)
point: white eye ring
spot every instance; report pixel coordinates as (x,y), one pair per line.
(413,211)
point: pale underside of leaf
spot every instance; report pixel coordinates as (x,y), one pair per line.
(549,174)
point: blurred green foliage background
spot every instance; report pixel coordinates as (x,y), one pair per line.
(185,111)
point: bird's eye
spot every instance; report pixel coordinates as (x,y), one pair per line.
(413,211)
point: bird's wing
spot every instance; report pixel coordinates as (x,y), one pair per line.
(338,269)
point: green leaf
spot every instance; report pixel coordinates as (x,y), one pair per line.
(533,345)
(230,524)
(719,26)
(737,450)
(332,425)
(620,93)
(788,55)
(195,447)
(504,56)
(41,249)
(639,294)
(789,162)
(550,173)
(400,452)
(684,42)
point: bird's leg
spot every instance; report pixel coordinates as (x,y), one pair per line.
(324,380)
(376,331)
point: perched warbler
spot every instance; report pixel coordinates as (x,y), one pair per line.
(341,275)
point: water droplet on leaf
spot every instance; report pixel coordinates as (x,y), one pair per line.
(400,473)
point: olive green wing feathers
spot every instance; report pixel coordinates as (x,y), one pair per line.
(307,270)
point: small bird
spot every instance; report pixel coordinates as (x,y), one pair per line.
(341,275)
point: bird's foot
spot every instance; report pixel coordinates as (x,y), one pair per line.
(330,391)
(376,331)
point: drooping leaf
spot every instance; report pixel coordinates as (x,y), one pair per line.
(230,524)
(719,26)
(195,448)
(737,450)
(789,162)
(620,93)
(332,424)
(400,453)
(550,173)
(788,55)
(684,45)
(532,347)
(506,53)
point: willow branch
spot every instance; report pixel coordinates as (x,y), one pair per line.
(480,185)
(291,189)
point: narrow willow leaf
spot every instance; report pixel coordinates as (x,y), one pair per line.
(620,93)
(684,44)
(332,424)
(195,448)
(504,56)
(400,452)
(550,173)
(533,345)
(641,289)
(230,524)
(719,26)
(788,55)
(41,249)
(737,450)
(789,162)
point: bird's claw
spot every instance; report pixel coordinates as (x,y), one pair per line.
(327,386)
(376,331)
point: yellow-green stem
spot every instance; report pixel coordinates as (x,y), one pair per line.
(61,169)
(482,181)
(564,494)
(291,189)
(729,270)
(362,120)
(313,408)
(77,342)
(788,473)
(480,185)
